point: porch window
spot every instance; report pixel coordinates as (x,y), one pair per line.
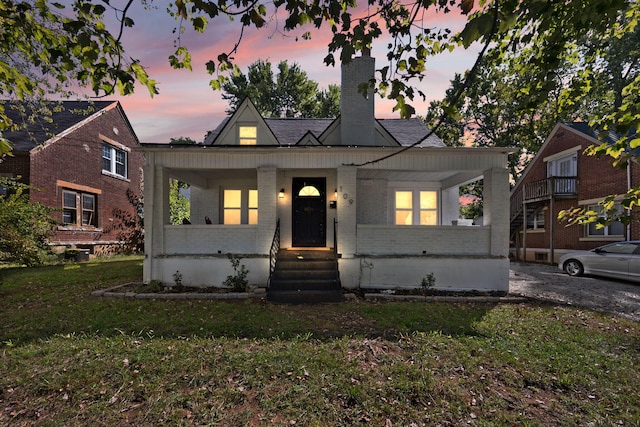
(240,206)
(616,228)
(415,207)
(253,206)
(78,208)
(248,135)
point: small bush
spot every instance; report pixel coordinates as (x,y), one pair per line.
(238,281)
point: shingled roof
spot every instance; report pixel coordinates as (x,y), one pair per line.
(37,129)
(289,131)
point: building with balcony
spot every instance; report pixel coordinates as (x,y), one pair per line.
(561,177)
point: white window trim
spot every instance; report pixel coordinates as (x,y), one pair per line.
(565,153)
(536,227)
(606,229)
(114,148)
(552,165)
(241,125)
(416,188)
(244,205)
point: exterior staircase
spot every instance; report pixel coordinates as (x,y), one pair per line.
(305,276)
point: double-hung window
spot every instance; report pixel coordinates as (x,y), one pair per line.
(615,229)
(416,207)
(240,206)
(114,160)
(536,220)
(78,208)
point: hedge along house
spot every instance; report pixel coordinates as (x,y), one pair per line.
(270,187)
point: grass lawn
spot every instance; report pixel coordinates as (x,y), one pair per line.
(67,358)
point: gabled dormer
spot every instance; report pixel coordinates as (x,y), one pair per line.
(245,127)
(309,139)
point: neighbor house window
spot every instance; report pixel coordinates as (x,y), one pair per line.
(114,160)
(248,135)
(240,206)
(616,228)
(564,168)
(415,207)
(78,208)
(536,221)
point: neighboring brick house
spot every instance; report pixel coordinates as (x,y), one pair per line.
(79,160)
(262,184)
(560,177)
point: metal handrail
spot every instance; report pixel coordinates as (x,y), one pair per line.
(335,237)
(275,248)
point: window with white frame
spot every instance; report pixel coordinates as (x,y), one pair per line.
(565,166)
(79,208)
(536,220)
(615,229)
(114,160)
(416,207)
(247,134)
(240,206)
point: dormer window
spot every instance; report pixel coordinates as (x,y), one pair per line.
(247,134)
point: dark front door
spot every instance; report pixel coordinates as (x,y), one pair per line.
(309,212)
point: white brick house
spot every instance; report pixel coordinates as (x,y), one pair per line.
(390,222)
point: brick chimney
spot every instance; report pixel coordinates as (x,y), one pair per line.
(357,114)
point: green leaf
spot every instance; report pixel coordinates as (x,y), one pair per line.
(476,29)
(199,24)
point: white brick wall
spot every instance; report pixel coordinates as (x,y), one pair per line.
(209,239)
(347,209)
(372,201)
(428,240)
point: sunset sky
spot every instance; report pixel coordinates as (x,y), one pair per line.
(187,106)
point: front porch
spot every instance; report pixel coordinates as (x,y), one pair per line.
(280,185)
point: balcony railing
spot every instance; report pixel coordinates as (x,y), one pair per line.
(555,186)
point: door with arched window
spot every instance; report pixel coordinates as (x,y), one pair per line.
(309,212)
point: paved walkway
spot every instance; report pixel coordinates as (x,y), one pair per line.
(546,282)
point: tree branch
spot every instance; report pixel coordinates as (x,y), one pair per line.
(454,99)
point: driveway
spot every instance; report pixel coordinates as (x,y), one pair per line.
(548,283)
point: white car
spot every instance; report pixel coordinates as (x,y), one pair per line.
(620,260)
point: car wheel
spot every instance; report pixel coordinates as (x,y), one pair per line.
(573,267)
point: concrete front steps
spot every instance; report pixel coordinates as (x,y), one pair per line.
(305,276)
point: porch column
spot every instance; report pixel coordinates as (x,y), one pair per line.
(156,200)
(149,175)
(496,209)
(267,208)
(346,211)
(450,204)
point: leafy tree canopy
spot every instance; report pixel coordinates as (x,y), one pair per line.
(507,106)
(44,50)
(289,93)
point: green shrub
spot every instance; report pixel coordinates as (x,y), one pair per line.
(24,226)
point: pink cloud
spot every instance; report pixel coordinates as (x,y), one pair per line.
(187,106)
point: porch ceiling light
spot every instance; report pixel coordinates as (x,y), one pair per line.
(281,194)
